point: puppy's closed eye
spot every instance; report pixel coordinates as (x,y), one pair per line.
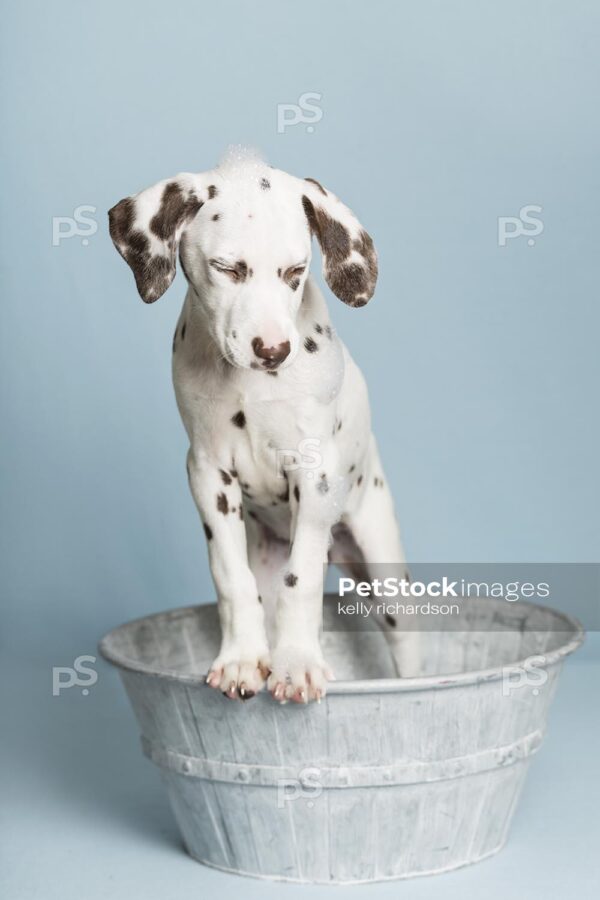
(293,275)
(237,272)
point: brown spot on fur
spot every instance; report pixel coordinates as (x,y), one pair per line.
(212,192)
(222,504)
(291,580)
(318,328)
(153,272)
(359,481)
(225,477)
(208,532)
(310,345)
(323,484)
(318,185)
(121,219)
(175,208)
(333,237)
(265,184)
(271,372)
(233,473)
(297,493)
(390,620)
(239,419)
(216,217)
(352,282)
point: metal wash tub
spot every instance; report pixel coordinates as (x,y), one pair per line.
(386,778)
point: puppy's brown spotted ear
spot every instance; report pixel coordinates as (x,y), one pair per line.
(146,230)
(349,257)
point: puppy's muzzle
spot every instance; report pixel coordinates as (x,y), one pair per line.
(271,357)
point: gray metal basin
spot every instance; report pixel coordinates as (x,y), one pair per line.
(386,778)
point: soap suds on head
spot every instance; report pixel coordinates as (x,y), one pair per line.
(242,163)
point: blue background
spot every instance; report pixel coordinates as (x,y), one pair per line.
(481,360)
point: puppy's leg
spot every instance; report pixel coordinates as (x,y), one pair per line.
(243,661)
(267,556)
(369,536)
(298,669)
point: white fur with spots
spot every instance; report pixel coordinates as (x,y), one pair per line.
(269,524)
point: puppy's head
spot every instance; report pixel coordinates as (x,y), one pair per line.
(243,233)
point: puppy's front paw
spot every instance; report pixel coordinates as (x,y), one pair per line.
(299,674)
(239,673)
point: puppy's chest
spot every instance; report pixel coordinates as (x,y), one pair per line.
(260,426)
(260,450)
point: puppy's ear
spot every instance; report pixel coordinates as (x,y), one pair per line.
(146,230)
(349,257)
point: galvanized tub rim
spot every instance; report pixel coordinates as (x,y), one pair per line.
(359,686)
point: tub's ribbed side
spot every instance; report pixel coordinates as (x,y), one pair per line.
(359,788)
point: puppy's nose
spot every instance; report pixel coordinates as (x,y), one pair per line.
(271,356)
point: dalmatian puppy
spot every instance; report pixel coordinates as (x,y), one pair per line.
(282,464)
